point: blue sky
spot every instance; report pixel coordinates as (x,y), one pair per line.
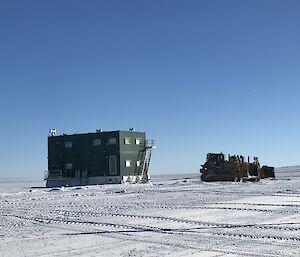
(197,76)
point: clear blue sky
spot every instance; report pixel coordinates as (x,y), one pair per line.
(197,76)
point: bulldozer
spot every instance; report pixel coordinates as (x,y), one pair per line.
(234,168)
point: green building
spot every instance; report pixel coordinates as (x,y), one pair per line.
(98,158)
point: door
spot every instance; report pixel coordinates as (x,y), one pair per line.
(112,165)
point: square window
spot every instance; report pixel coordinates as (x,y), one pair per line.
(68,144)
(112,141)
(97,142)
(138,163)
(128,163)
(127,140)
(138,141)
(69,166)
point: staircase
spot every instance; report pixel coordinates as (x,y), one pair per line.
(149,145)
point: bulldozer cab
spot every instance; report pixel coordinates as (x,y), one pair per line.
(218,158)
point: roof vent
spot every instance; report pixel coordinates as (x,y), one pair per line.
(52,132)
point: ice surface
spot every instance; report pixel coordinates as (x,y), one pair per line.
(171,216)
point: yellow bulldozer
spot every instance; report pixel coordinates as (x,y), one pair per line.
(234,168)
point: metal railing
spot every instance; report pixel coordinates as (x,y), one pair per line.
(150,143)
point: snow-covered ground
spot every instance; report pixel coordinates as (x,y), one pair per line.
(171,216)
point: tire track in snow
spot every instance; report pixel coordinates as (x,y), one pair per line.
(81,214)
(178,242)
(144,228)
(162,218)
(179,207)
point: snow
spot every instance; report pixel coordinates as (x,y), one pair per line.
(171,216)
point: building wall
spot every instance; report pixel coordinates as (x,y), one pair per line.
(131,151)
(95,155)
(90,153)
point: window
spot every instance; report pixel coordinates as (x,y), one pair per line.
(68,144)
(127,163)
(112,141)
(138,141)
(97,142)
(138,163)
(69,166)
(112,165)
(127,140)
